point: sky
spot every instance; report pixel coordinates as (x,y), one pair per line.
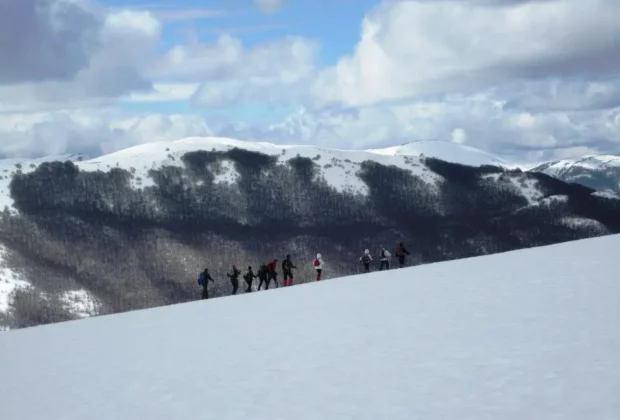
(528,80)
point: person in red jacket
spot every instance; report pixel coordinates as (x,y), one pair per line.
(318,266)
(271,272)
(401,251)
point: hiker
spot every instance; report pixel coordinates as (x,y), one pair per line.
(234,279)
(401,251)
(262,276)
(384,259)
(203,279)
(249,277)
(271,272)
(366,259)
(287,271)
(318,266)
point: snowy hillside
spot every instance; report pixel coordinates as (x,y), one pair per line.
(339,167)
(9,167)
(445,150)
(530,334)
(146,219)
(601,172)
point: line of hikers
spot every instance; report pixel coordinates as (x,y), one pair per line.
(267,272)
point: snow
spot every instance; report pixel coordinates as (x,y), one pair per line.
(582,222)
(607,194)
(529,334)
(9,167)
(9,281)
(590,162)
(445,150)
(79,302)
(338,167)
(528,187)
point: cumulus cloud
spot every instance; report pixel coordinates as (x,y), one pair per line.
(410,48)
(92,132)
(99,55)
(229,74)
(45,40)
(525,79)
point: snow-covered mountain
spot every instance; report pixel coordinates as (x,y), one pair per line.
(446,150)
(131,229)
(600,172)
(530,334)
(338,166)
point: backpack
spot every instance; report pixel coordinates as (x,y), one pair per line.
(383,253)
(366,259)
(316,262)
(201,279)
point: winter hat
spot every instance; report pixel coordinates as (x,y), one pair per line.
(366,251)
(318,255)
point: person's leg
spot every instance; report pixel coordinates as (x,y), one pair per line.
(290,278)
(285,280)
(205,293)
(318,274)
(366,268)
(235,284)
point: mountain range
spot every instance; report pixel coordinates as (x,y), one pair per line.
(131,230)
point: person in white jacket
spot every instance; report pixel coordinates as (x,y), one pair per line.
(318,266)
(384,258)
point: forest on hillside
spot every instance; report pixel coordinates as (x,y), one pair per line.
(134,248)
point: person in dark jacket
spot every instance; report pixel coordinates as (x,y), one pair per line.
(262,276)
(234,279)
(271,272)
(287,271)
(249,276)
(384,258)
(401,251)
(203,280)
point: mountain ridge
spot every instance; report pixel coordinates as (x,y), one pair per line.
(131,230)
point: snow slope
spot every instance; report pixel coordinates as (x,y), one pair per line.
(589,162)
(445,150)
(530,334)
(9,281)
(338,167)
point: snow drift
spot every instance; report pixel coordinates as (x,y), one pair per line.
(530,334)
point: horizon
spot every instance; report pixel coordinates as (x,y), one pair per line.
(529,81)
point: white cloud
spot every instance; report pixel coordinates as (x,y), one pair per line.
(91,131)
(410,48)
(230,74)
(269,6)
(524,78)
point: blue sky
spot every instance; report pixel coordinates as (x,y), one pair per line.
(335,24)
(528,80)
